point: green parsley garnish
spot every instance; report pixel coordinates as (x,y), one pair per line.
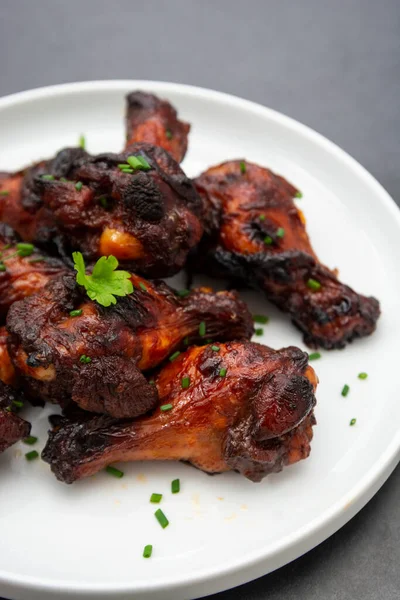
(242,167)
(260,319)
(175,486)
(156,498)
(353,422)
(202,329)
(168,134)
(259,331)
(82,142)
(174,356)
(114,471)
(78,186)
(362,375)
(4,193)
(32,455)
(105,282)
(268,240)
(314,285)
(76,313)
(298,195)
(161,518)
(215,348)
(148,550)
(314,356)
(30,440)
(345,390)
(165,407)
(280,232)
(85,359)
(185,382)
(222,372)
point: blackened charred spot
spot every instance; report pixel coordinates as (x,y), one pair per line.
(66,161)
(34,361)
(143,196)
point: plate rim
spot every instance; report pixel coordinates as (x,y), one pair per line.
(252,564)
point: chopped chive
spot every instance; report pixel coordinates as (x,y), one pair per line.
(161,518)
(259,331)
(215,348)
(6,247)
(353,422)
(280,232)
(165,407)
(242,167)
(2,267)
(298,195)
(142,286)
(145,165)
(113,471)
(31,455)
(175,486)
(37,260)
(147,552)
(103,201)
(76,313)
(222,372)
(208,341)
(63,179)
(78,186)
(362,375)
(314,285)
(25,249)
(314,356)
(82,141)
(30,440)
(85,359)
(186,341)
(156,498)
(185,382)
(345,390)
(168,134)
(260,319)
(48,177)
(174,356)
(268,240)
(138,163)
(182,293)
(128,170)
(262,217)
(202,329)
(123,166)
(4,193)
(18,403)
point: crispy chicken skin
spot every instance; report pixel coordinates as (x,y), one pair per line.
(255,234)
(21,276)
(12,427)
(7,370)
(154,121)
(255,420)
(46,344)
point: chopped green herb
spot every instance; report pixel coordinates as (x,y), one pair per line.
(138,163)
(82,141)
(48,177)
(353,422)
(185,382)
(314,356)
(262,217)
(148,550)
(30,440)
(76,313)
(2,267)
(168,134)
(4,193)
(24,249)
(268,240)
(152,382)
(314,285)
(156,498)
(37,260)
(175,486)
(215,348)
(123,166)
(202,329)
(31,455)
(142,286)
(128,170)
(165,407)
(362,375)
(78,186)
(63,179)
(280,232)
(260,319)
(105,282)
(242,167)
(114,471)
(103,201)
(174,356)
(259,331)
(222,372)
(85,359)
(298,195)
(18,403)
(161,518)
(345,390)
(186,341)
(182,293)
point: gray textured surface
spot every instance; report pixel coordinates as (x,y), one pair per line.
(332,65)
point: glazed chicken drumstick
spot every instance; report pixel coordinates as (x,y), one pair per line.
(154,121)
(236,406)
(66,347)
(255,234)
(137,206)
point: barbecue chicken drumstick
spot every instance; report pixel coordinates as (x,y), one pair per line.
(243,407)
(154,121)
(12,427)
(95,357)
(255,234)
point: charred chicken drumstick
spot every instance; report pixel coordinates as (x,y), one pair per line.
(243,407)
(154,121)
(138,206)
(95,356)
(12,427)
(255,234)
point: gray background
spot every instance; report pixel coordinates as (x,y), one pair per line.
(332,64)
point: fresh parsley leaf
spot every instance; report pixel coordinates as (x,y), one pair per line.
(105,282)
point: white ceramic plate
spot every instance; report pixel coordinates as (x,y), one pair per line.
(86,540)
